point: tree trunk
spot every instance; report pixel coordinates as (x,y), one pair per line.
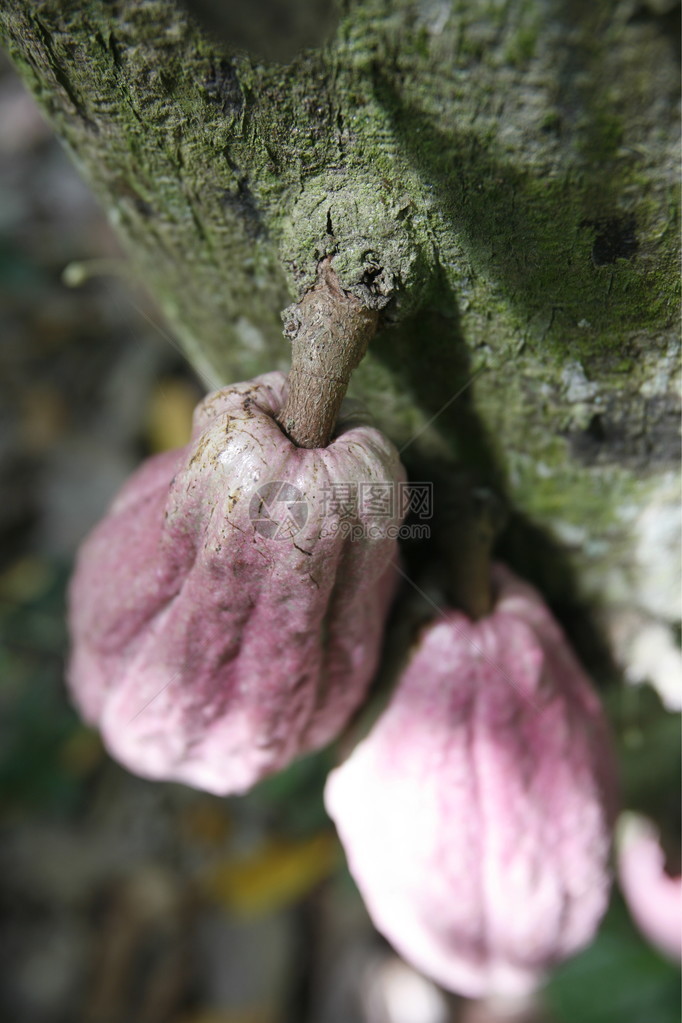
(499,178)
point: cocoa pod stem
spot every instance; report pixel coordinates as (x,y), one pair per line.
(329,330)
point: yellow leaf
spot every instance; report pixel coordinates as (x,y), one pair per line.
(279,873)
(169,416)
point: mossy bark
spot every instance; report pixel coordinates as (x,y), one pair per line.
(499,178)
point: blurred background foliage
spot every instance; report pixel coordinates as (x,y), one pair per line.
(125,901)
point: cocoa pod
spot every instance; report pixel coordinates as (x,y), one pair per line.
(653,896)
(223,620)
(476,815)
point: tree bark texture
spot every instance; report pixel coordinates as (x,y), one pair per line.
(498,178)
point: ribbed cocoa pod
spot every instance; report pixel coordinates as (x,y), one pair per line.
(477,814)
(220,629)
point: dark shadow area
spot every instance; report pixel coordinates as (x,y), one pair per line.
(666,21)
(441,371)
(428,355)
(536,556)
(547,243)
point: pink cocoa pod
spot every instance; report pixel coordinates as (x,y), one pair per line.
(476,815)
(220,626)
(653,896)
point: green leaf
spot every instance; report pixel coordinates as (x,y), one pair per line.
(618,979)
